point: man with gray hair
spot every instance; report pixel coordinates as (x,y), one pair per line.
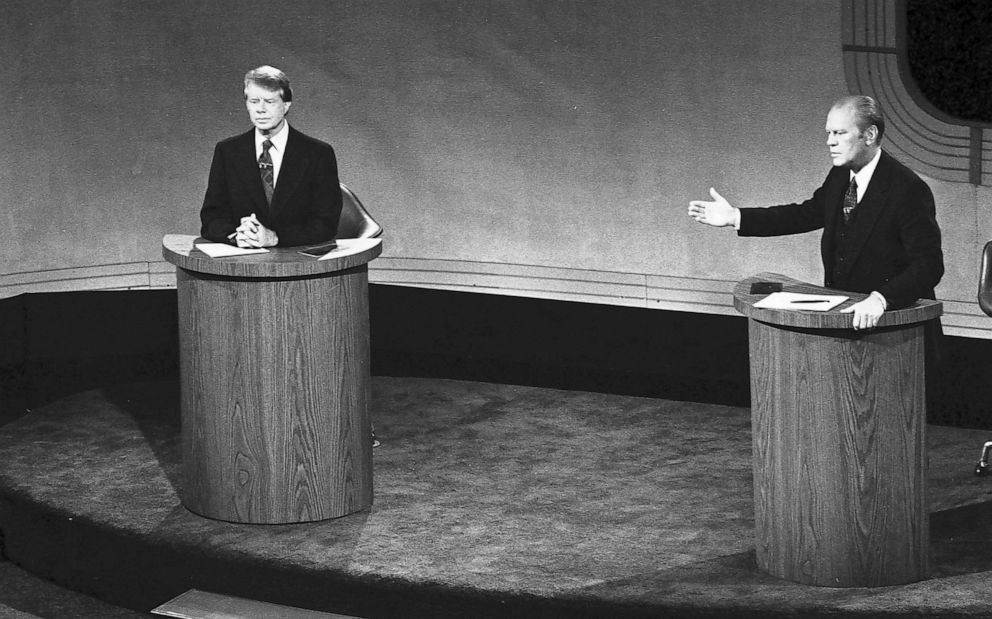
(272,185)
(880,233)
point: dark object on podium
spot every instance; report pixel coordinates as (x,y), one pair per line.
(765,287)
(274,372)
(319,250)
(839,441)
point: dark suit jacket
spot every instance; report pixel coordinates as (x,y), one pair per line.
(895,237)
(306,203)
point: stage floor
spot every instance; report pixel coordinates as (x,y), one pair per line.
(490,501)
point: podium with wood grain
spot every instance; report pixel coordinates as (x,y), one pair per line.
(839,441)
(275,379)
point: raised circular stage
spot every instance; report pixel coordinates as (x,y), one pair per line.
(490,501)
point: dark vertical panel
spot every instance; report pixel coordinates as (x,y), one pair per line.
(13,337)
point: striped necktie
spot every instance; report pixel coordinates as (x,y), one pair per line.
(265,167)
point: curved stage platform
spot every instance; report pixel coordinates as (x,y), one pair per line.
(490,501)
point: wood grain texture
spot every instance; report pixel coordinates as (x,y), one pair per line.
(275,386)
(838,421)
(923,309)
(179,249)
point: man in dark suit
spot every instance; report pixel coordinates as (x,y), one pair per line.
(880,233)
(272,185)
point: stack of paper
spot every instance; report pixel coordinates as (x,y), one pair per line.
(799,301)
(222,250)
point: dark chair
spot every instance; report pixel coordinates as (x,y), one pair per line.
(985,302)
(355,222)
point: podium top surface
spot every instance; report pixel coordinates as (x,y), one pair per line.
(179,249)
(921,311)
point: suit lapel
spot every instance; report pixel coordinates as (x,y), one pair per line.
(247,167)
(293,169)
(871,206)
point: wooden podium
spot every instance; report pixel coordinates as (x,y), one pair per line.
(274,371)
(839,441)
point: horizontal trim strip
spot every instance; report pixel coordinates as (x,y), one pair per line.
(123,276)
(869,48)
(664,292)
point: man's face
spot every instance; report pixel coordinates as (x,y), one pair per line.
(265,107)
(849,146)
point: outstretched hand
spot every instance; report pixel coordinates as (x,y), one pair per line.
(717,212)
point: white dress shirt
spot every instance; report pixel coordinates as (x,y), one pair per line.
(863,176)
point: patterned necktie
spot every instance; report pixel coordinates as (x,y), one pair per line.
(265,167)
(850,201)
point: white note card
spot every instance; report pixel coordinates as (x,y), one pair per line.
(799,301)
(223,250)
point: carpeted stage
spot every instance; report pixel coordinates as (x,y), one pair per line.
(490,501)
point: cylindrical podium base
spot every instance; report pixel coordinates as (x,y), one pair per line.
(839,426)
(275,389)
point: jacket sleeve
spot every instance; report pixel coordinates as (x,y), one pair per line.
(217,219)
(785,219)
(920,237)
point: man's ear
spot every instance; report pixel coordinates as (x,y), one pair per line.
(871,135)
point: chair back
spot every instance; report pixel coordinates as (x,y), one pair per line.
(985,280)
(355,222)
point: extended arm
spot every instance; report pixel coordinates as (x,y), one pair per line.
(770,221)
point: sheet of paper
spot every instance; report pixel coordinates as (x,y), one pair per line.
(347,247)
(222,250)
(799,301)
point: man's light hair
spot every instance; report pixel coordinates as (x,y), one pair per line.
(867,112)
(270,78)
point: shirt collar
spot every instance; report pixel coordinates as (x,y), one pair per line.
(863,176)
(278,139)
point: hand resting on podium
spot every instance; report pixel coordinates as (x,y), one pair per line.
(867,312)
(251,233)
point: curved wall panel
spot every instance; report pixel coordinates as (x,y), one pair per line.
(927,140)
